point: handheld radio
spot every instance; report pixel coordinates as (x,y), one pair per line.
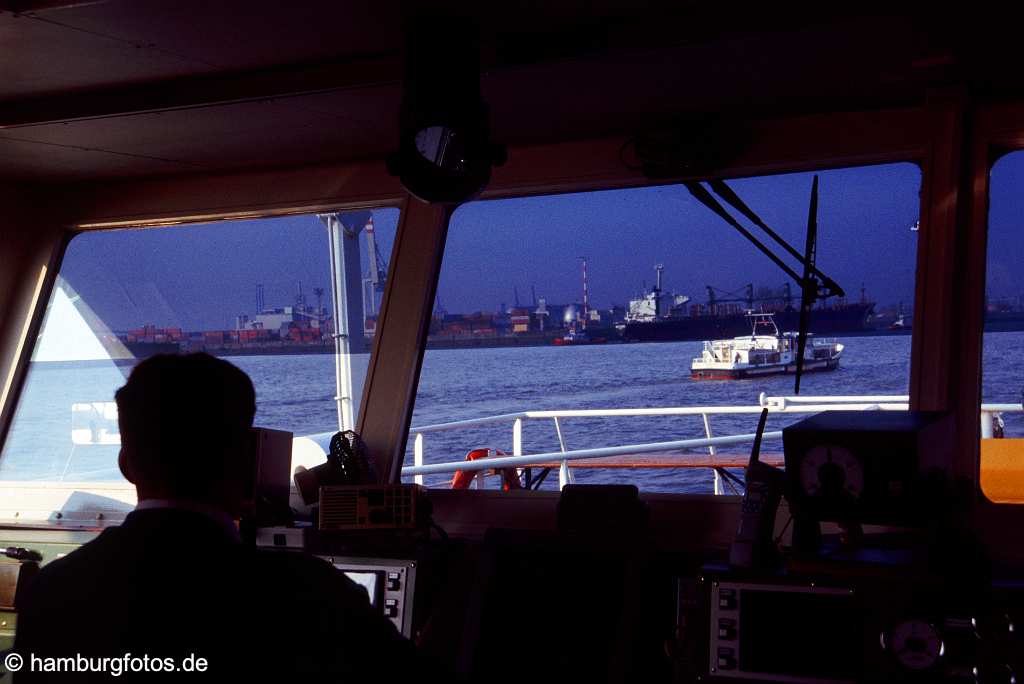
(754,546)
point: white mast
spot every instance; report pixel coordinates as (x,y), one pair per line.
(348,312)
(586,301)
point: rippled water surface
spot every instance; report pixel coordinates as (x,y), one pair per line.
(296,393)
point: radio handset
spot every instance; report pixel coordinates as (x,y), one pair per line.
(754,545)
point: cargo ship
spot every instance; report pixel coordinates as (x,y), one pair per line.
(660,316)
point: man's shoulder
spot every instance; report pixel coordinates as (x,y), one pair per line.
(85,556)
(298,565)
(304,574)
(65,584)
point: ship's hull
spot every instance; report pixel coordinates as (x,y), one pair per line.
(565,342)
(143,350)
(761,371)
(849,319)
(1004,321)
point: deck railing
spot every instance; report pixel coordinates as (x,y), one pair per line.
(519,458)
(565,456)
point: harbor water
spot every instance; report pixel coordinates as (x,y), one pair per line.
(295,393)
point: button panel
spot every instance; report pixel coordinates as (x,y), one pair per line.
(725,631)
(395,587)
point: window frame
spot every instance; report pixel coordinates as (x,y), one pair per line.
(999,131)
(633,183)
(51,496)
(932,136)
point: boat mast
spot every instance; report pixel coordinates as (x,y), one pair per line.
(586,300)
(349,320)
(658,268)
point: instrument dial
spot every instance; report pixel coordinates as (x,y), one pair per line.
(833,472)
(916,644)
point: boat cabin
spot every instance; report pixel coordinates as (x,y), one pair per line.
(405,219)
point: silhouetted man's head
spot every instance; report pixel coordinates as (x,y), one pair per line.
(185,429)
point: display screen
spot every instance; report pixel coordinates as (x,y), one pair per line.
(368,580)
(800,634)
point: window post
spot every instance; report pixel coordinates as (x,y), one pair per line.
(402,329)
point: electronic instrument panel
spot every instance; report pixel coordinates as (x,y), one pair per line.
(856,628)
(746,642)
(390,583)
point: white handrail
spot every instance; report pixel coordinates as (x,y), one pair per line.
(765,400)
(774,405)
(798,405)
(601,452)
(1002,408)
(668,411)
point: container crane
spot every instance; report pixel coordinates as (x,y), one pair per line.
(378,269)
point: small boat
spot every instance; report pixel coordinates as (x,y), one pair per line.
(764,352)
(578,337)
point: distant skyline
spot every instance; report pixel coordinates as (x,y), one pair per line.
(865,237)
(202,276)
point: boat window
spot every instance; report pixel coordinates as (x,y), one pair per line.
(258,293)
(1002,387)
(601,325)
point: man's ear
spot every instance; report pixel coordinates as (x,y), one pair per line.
(124,462)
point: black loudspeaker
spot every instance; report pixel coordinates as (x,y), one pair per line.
(873,467)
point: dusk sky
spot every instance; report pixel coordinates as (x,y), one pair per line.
(201,277)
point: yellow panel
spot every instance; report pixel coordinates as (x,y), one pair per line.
(1002,470)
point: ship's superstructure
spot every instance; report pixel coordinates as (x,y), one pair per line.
(656,303)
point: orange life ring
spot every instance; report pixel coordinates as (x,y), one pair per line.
(463,478)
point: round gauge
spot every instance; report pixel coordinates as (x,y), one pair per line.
(916,644)
(832,472)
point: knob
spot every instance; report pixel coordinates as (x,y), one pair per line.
(997,674)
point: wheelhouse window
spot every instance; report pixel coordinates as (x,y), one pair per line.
(633,336)
(272,296)
(1002,387)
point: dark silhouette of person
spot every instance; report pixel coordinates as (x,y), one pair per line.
(174,581)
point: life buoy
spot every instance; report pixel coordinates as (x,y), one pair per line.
(463,478)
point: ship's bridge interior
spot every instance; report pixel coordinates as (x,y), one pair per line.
(164,161)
